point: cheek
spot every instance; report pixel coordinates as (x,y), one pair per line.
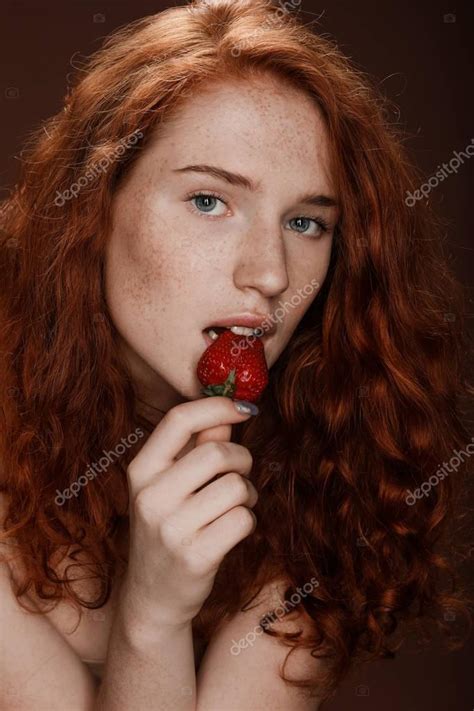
(324,257)
(305,286)
(153,264)
(302,301)
(309,269)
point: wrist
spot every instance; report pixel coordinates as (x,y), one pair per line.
(144,622)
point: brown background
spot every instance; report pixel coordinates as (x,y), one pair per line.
(422,59)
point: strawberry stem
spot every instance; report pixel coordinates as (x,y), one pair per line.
(225,389)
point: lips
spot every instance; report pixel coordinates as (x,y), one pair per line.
(215,331)
(242,324)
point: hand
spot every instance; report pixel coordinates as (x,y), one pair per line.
(182,526)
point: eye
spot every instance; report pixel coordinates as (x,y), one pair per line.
(206,202)
(321,226)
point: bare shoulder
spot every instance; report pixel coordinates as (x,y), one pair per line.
(283,617)
(38,667)
(244,663)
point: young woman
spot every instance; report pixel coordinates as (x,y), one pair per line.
(219,164)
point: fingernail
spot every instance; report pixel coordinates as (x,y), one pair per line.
(245,407)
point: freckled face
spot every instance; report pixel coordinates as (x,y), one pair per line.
(188,248)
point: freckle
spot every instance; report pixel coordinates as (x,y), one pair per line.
(145,269)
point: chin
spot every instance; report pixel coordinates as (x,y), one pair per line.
(190,390)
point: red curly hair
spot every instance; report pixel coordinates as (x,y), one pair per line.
(363,404)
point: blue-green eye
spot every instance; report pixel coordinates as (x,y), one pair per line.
(321,224)
(206,202)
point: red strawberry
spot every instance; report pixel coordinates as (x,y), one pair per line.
(242,374)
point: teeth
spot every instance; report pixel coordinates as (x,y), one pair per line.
(242,330)
(238,330)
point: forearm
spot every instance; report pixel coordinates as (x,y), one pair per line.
(149,665)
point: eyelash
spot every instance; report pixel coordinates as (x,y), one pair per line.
(319,220)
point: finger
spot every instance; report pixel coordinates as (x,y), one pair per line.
(221,433)
(198,468)
(216,499)
(174,431)
(219,537)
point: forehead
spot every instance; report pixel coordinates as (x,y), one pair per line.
(250,126)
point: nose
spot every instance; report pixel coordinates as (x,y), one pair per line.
(261,262)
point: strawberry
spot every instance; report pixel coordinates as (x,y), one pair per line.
(242,375)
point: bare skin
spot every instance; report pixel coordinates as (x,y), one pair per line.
(173,267)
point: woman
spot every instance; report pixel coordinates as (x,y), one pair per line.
(220,162)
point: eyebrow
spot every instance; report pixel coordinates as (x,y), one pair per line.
(243,182)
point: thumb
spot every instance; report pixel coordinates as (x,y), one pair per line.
(219,433)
